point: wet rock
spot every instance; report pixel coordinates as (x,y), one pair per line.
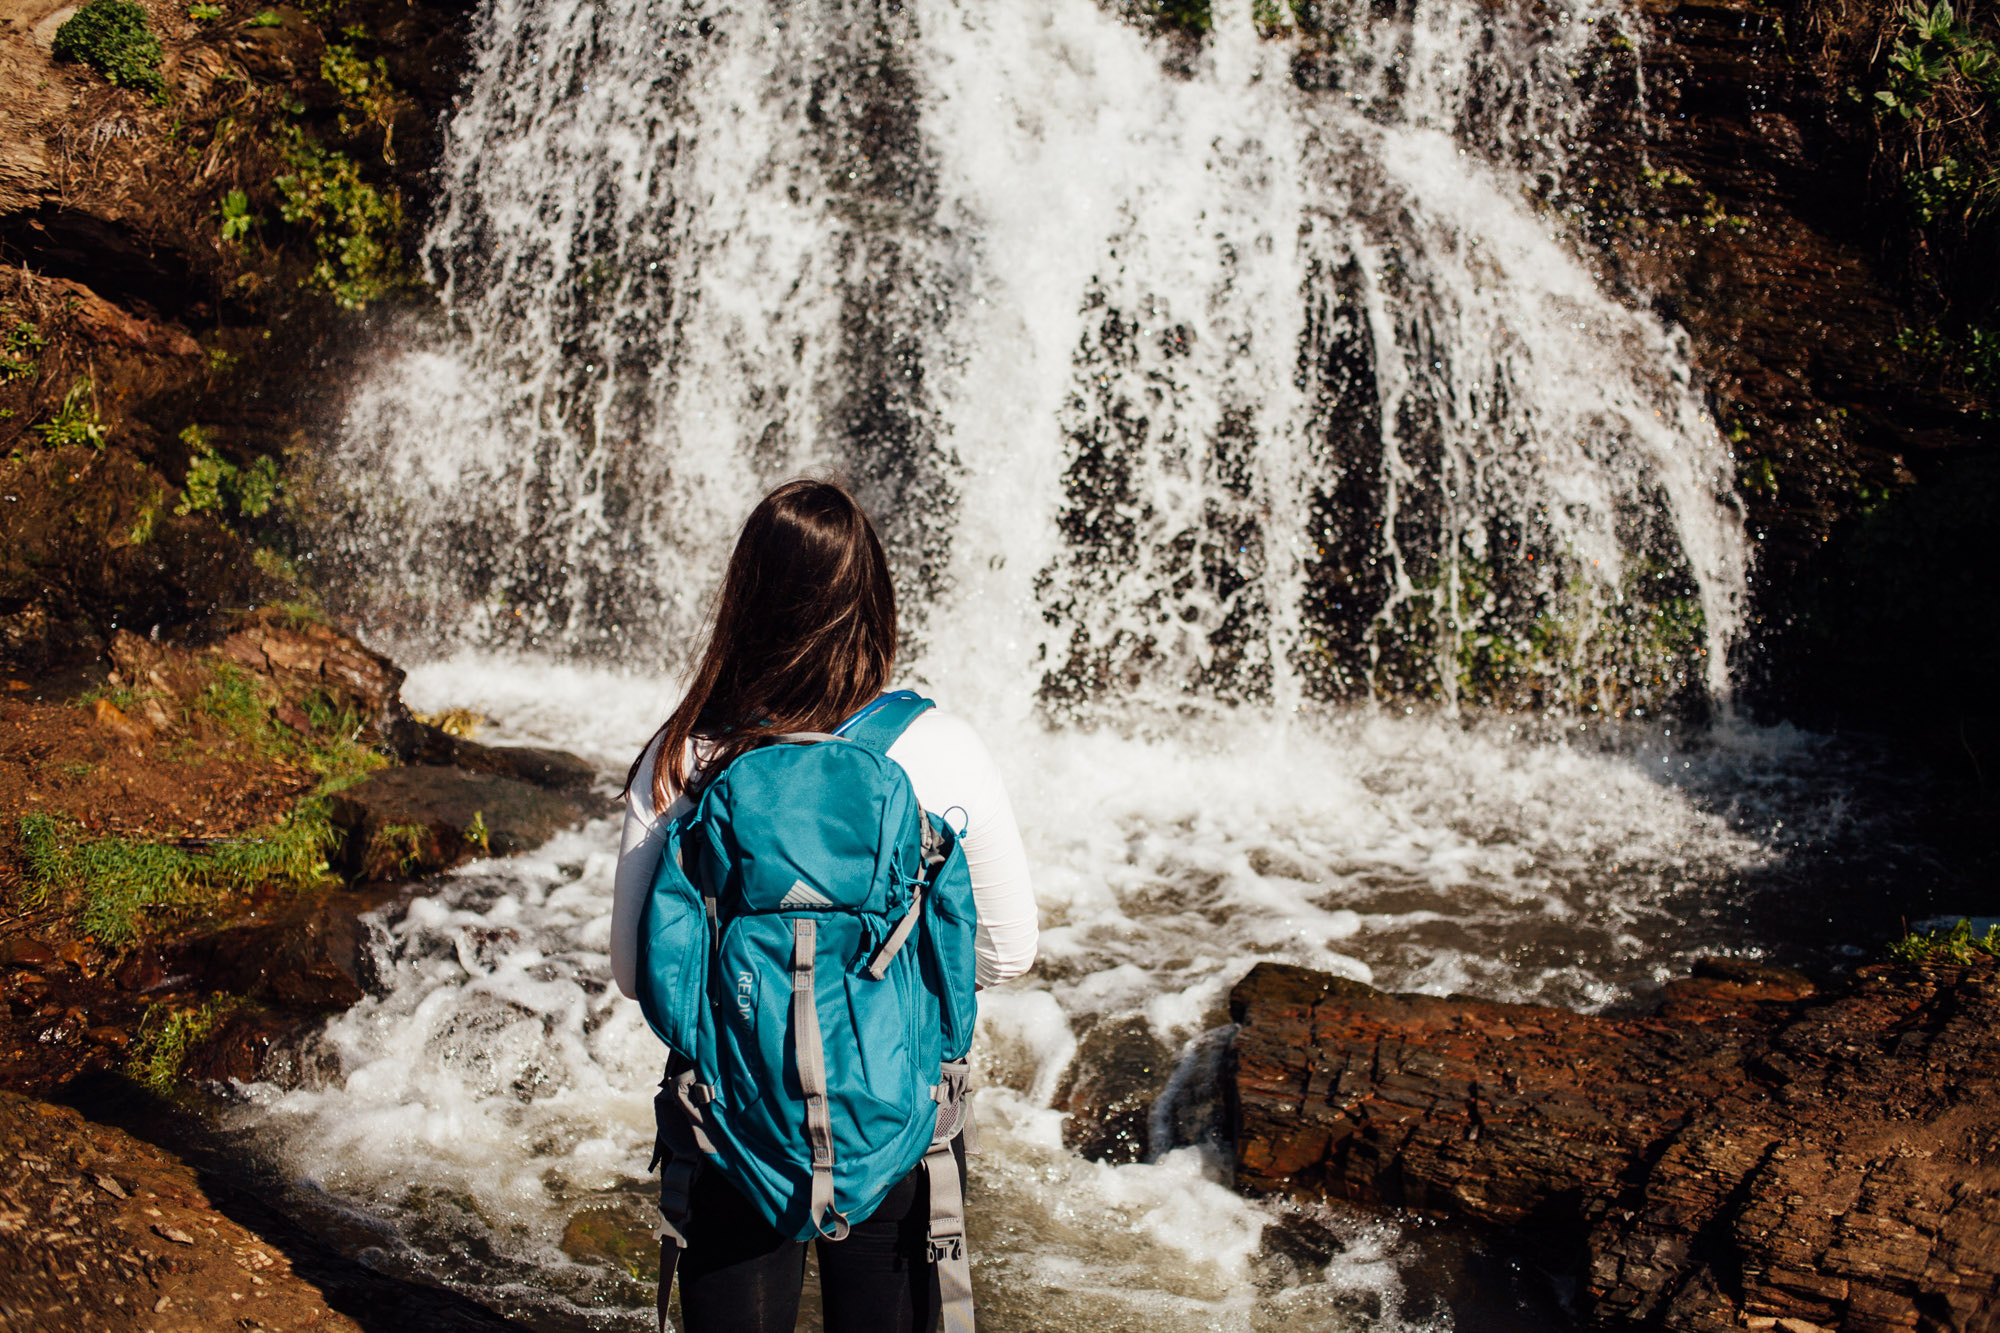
(558,770)
(1754,1152)
(417,821)
(1119,1071)
(613,1236)
(306,957)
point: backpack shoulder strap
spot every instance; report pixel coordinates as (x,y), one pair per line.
(879,724)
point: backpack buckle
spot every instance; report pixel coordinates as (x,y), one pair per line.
(945,1249)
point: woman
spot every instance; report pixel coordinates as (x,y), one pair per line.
(804,636)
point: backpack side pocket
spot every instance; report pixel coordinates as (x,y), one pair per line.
(951,929)
(674,952)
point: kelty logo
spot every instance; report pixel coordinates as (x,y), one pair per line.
(802,894)
(746,995)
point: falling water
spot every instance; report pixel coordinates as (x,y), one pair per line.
(1241,426)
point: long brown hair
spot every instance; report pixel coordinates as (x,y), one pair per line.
(804,633)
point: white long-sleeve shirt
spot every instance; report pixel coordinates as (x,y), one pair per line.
(952,774)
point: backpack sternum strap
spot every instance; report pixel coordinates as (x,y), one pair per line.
(811,1054)
(878,966)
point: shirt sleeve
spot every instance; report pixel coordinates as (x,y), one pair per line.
(638,862)
(955,777)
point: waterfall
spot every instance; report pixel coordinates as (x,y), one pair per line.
(1176,372)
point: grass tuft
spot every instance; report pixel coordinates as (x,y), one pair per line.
(167,1035)
(119,880)
(1957,944)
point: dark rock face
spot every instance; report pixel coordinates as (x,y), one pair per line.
(415,821)
(1745,197)
(1752,1156)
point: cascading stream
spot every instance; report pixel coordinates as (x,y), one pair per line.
(1209,393)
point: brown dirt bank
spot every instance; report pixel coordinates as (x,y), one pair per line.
(1751,1154)
(103,1231)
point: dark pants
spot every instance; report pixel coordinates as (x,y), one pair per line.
(739,1275)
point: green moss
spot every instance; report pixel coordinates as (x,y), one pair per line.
(113,38)
(354,226)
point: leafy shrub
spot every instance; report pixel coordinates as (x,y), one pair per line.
(366,95)
(267,18)
(213,482)
(353,225)
(113,38)
(1956,945)
(204,13)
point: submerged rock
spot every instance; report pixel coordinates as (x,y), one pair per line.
(1753,1156)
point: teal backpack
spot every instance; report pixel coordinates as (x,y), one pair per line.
(806,953)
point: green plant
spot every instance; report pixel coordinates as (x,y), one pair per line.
(234,700)
(1191,15)
(204,13)
(118,696)
(476,832)
(76,421)
(1936,45)
(113,38)
(267,18)
(365,92)
(237,219)
(340,759)
(141,530)
(353,225)
(213,482)
(20,350)
(167,1035)
(1957,944)
(403,841)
